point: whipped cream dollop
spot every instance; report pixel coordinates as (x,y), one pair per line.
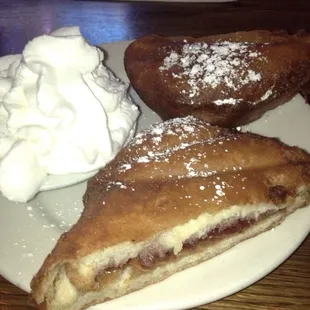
(61,112)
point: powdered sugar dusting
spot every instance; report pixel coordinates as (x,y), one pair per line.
(227,101)
(125,167)
(185,155)
(183,128)
(211,65)
(185,134)
(266,95)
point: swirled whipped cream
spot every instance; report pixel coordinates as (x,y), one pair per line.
(61,112)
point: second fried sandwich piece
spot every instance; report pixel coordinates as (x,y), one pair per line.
(228,80)
(180,193)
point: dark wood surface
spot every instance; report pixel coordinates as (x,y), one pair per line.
(288,287)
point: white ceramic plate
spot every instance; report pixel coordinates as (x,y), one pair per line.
(29,231)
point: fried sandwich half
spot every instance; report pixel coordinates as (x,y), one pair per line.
(228,80)
(180,193)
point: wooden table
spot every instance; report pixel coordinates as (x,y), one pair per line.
(288,287)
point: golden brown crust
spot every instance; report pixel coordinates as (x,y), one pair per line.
(171,173)
(283,62)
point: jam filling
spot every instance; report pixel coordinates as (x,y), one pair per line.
(147,260)
(156,254)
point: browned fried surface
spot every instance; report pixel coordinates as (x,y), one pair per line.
(306,92)
(282,61)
